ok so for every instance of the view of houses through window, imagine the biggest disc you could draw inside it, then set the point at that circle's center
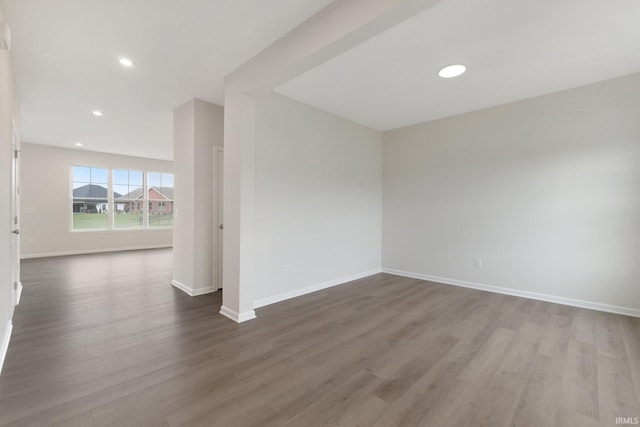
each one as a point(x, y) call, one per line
point(113, 199)
point(160, 199)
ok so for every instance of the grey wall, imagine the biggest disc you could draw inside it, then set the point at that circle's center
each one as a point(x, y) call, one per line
point(318, 199)
point(46, 203)
point(545, 191)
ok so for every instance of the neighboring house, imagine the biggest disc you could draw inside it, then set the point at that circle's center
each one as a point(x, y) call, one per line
point(91, 199)
point(160, 201)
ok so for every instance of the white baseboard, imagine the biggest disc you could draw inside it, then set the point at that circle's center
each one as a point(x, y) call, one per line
point(193, 292)
point(93, 251)
point(204, 291)
point(18, 294)
point(237, 317)
point(184, 288)
point(5, 344)
point(627, 311)
point(303, 291)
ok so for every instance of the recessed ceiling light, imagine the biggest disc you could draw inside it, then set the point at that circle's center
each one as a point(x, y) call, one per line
point(78, 144)
point(126, 62)
point(98, 113)
point(451, 71)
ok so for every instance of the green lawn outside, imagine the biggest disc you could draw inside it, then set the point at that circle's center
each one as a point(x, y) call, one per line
point(88, 221)
point(133, 220)
point(161, 220)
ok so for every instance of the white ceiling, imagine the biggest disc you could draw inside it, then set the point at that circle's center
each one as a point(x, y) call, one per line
point(65, 58)
point(513, 49)
point(66, 63)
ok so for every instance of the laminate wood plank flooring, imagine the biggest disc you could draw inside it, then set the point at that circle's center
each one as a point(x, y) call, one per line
point(104, 339)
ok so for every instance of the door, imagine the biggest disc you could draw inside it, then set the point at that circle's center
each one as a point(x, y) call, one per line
point(15, 216)
point(217, 213)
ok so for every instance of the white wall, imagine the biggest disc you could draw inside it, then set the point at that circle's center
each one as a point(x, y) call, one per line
point(183, 137)
point(198, 128)
point(239, 205)
point(336, 29)
point(545, 191)
point(209, 133)
point(46, 203)
point(318, 199)
point(7, 110)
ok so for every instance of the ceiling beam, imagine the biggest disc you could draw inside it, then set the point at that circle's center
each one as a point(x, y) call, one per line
point(337, 28)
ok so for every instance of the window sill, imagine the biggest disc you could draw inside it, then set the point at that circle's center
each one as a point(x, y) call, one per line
point(118, 230)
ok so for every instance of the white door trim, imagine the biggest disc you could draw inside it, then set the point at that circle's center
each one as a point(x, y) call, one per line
point(218, 174)
point(16, 284)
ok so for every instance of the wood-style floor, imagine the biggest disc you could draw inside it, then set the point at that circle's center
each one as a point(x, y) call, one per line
point(105, 340)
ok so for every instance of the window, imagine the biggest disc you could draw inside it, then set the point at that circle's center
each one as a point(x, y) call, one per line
point(114, 199)
point(90, 198)
point(128, 189)
point(160, 199)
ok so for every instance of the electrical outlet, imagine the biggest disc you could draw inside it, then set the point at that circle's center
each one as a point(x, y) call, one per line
point(286, 269)
point(478, 263)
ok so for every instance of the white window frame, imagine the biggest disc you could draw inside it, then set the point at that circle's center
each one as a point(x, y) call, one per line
point(148, 201)
point(109, 197)
point(145, 220)
point(112, 204)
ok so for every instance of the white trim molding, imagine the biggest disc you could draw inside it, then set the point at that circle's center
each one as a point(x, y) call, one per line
point(237, 317)
point(627, 311)
point(204, 291)
point(5, 344)
point(193, 292)
point(314, 288)
point(93, 251)
point(17, 294)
